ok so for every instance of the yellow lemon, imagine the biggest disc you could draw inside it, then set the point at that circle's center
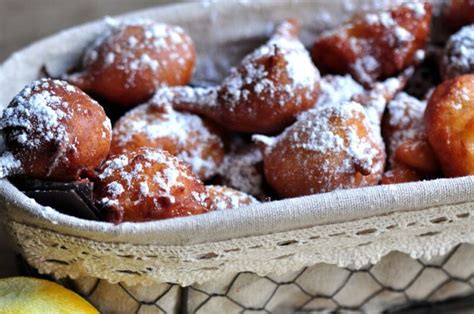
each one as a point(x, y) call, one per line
point(20, 295)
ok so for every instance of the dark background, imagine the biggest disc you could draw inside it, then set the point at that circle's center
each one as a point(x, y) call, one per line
point(24, 21)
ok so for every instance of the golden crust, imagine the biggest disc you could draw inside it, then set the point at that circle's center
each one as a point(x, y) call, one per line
point(418, 155)
point(148, 184)
point(400, 174)
point(405, 134)
point(126, 65)
point(328, 148)
point(183, 135)
point(449, 120)
point(265, 92)
point(56, 131)
point(375, 45)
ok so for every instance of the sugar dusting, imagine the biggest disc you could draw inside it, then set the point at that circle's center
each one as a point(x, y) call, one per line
point(158, 122)
point(137, 54)
point(405, 119)
point(9, 165)
point(316, 132)
point(458, 57)
point(252, 73)
point(322, 137)
point(337, 89)
point(375, 100)
point(134, 175)
point(223, 198)
point(369, 60)
point(183, 95)
point(37, 113)
point(36, 117)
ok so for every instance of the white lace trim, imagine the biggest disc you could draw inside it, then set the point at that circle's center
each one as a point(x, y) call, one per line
point(421, 234)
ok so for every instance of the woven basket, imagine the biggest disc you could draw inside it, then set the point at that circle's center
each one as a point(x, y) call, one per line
point(365, 249)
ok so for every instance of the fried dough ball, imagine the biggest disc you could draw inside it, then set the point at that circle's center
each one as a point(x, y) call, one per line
point(410, 157)
point(184, 135)
point(375, 45)
point(401, 174)
point(54, 131)
point(458, 55)
point(336, 89)
point(459, 13)
point(417, 154)
point(133, 58)
point(267, 89)
point(223, 197)
point(328, 148)
point(405, 133)
point(449, 121)
point(148, 184)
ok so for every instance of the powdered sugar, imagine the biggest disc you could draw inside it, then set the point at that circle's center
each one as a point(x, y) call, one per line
point(369, 52)
point(167, 180)
point(226, 198)
point(36, 114)
point(416, 6)
point(385, 19)
point(146, 60)
point(317, 132)
point(9, 165)
point(298, 67)
point(181, 96)
point(317, 129)
point(365, 66)
point(130, 54)
point(34, 118)
point(327, 148)
point(132, 41)
point(201, 197)
point(115, 188)
point(126, 174)
point(163, 127)
point(109, 58)
point(336, 89)
point(402, 35)
point(404, 110)
point(144, 189)
point(405, 120)
point(375, 100)
point(38, 125)
point(112, 165)
point(458, 55)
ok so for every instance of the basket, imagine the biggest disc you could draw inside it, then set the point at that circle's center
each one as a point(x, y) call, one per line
point(366, 249)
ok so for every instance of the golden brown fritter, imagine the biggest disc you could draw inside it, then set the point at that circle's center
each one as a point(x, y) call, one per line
point(53, 131)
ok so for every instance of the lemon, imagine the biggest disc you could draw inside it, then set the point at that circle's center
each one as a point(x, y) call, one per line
point(20, 295)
